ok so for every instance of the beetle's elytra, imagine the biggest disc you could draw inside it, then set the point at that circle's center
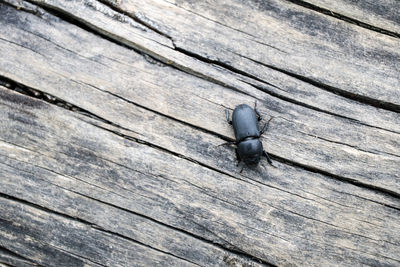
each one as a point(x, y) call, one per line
point(247, 134)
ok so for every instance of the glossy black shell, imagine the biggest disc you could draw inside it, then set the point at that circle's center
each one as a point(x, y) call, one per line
point(245, 122)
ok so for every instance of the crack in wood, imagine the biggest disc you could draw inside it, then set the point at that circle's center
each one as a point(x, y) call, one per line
point(23, 46)
point(3, 264)
point(55, 101)
point(231, 248)
point(90, 224)
point(24, 6)
point(204, 130)
point(368, 199)
point(290, 100)
point(353, 96)
point(50, 99)
point(227, 26)
point(70, 18)
point(135, 17)
point(6, 251)
point(237, 251)
point(338, 177)
point(171, 152)
point(37, 94)
point(228, 202)
point(339, 16)
point(220, 64)
point(344, 144)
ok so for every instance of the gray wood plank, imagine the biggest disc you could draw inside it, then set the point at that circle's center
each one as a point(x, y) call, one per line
point(97, 198)
point(61, 154)
point(115, 143)
point(379, 16)
point(51, 240)
point(9, 258)
point(102, 20)
point(314, 140)
point(335, 55)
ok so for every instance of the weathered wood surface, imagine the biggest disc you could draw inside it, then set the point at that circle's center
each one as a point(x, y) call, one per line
point(113, 112)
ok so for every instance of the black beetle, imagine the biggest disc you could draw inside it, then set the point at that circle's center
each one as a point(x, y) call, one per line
point(247, 133)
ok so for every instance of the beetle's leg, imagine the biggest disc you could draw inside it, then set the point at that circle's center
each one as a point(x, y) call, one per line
point(227, 116)
point(259, 117)
point(242, 169)
point(265, 154)
point(265, 128)
point(237, 157)
point(240, 163)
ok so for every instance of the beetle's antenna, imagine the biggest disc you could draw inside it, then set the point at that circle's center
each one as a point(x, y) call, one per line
point(259, 116)
point(265, 128)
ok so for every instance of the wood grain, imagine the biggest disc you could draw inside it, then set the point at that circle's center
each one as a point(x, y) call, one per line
point(372, 15)
point(357, 148)
point(346, 59)
point(112, 119)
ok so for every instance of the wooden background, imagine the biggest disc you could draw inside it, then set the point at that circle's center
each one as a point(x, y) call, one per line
point(112, 112)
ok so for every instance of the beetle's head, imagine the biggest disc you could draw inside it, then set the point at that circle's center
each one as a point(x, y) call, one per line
point(250, 151)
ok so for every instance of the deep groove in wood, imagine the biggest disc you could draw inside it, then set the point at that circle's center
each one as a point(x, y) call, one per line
point(169, 151)
point(220, 64)
point(355, 97)
point(75, 21)
point(3, 264)
point(5, 250)
point(282, 218)
point(344, 18)
point(287, 99)
point(70, 18)
point(264, 89)
point(34, 93)
point(95, 226)
point(340, 178)
point(31, 92)
point(27, 91)
point(221, 246)
point(134, 17)
point(204, 130)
